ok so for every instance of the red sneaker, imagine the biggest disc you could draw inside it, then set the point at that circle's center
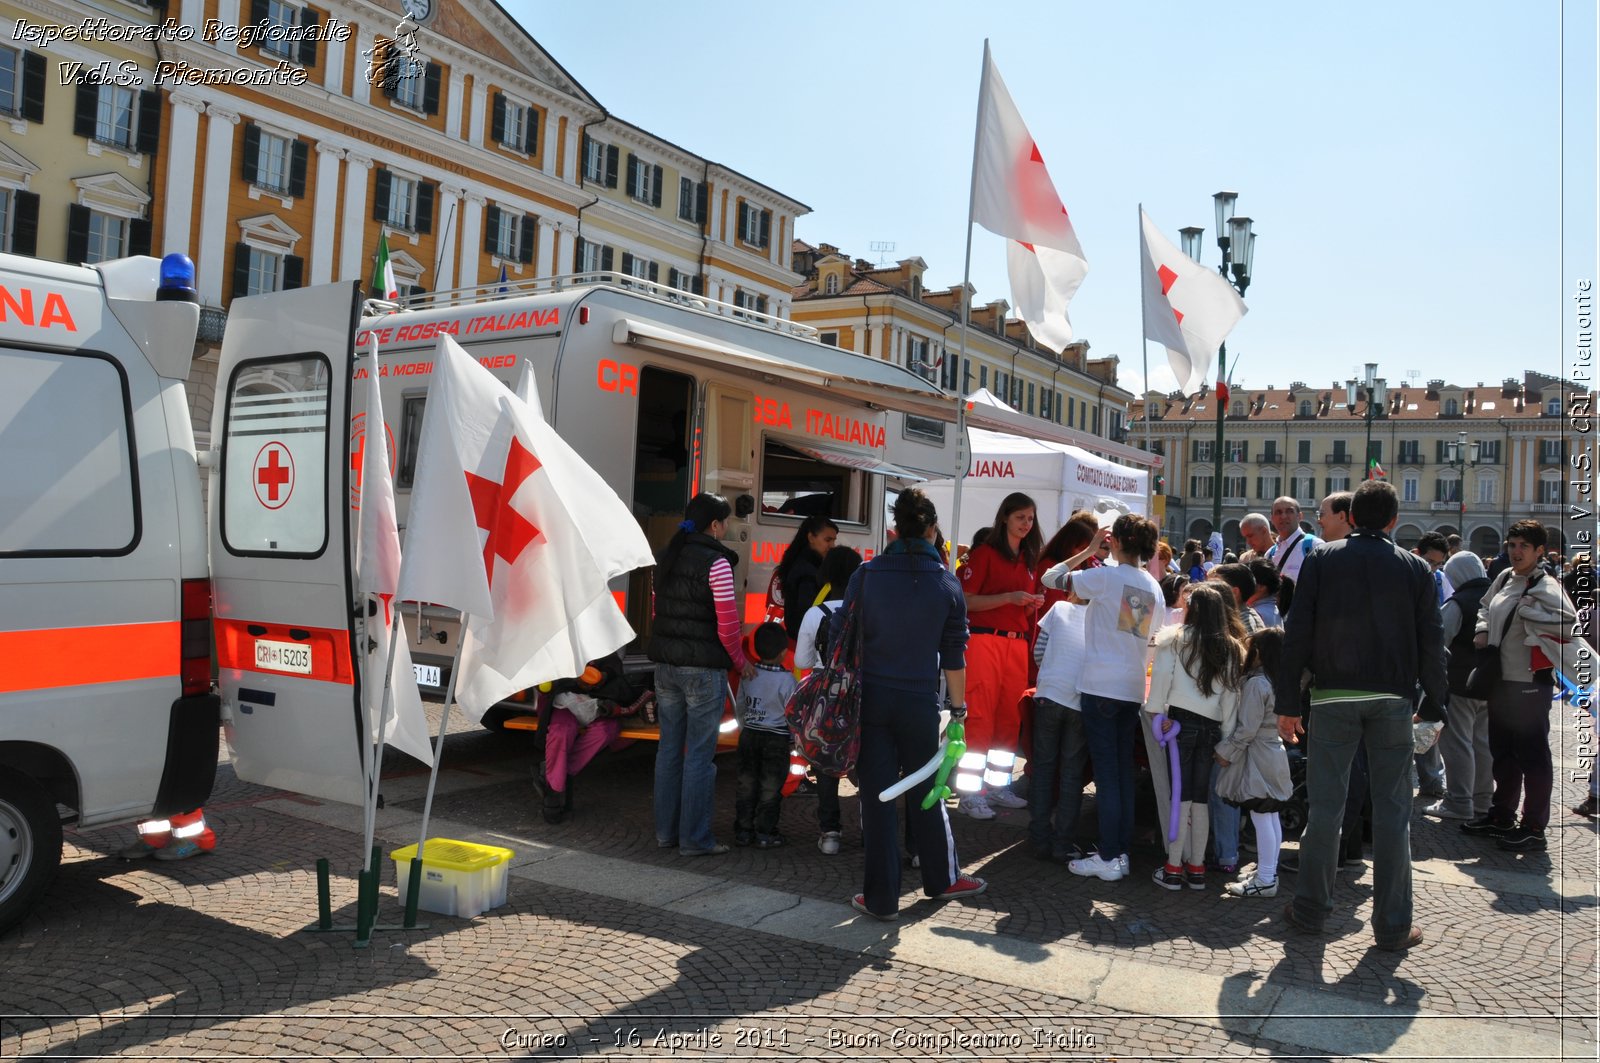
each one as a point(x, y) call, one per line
point(965, 886)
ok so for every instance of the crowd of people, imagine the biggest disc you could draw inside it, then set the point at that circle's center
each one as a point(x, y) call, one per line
point(1066, 654)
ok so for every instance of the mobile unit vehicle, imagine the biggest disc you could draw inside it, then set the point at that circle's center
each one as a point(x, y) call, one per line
point(106, 700)
point(667, 394)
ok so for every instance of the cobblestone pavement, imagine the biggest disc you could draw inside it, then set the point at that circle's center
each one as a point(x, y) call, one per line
point(610, 946)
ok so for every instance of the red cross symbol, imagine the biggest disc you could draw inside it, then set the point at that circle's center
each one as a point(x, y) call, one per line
point(1168, 279)
point(509, 531)
point(274, 469)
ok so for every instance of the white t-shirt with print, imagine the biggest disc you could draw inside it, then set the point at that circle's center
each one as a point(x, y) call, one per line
point(1125, 608)
point(1063, 629)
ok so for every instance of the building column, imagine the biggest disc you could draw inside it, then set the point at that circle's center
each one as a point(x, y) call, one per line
point(184, 138)
point(354, 209)
point(228, 15)
point(544, 252)
point(325, 212)
point(218, 178)
point(452, 110)
point(449, 204)
point(471, 237)
point(480, 108)
point(365, 44)
point(190, 14)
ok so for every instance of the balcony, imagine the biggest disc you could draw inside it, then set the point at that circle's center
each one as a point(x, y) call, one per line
point(1547, 457)
point(1269, 457)
point(1545, 507)
point(1408, 457)
point(1229, 502)
point(1445, 507)
point(1339, 457)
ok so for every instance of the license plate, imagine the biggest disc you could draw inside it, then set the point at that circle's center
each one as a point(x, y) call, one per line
point(283, 657)
point(427, 674)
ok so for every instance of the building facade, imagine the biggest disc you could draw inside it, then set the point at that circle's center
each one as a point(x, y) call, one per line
point(1307, 442)
point(886, 312)
point(276, 141)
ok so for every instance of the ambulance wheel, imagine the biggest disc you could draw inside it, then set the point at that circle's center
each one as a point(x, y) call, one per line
point(30, 846)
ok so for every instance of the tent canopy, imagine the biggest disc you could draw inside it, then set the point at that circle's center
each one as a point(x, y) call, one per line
point(1060, 478)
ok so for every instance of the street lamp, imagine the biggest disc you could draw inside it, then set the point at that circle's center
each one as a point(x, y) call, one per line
point(1238, 246)
point(1375, 391)
point(1461, 454)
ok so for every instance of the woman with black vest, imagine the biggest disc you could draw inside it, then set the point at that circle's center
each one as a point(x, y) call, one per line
point(694, 641)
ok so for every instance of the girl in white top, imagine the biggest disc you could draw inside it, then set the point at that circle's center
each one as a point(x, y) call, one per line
point(1194, 683)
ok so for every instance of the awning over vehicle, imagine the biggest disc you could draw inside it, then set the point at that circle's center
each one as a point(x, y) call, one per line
point(849, 459)
point(830, 369)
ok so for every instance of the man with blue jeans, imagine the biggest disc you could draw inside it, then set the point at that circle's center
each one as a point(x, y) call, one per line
point(1365, 623)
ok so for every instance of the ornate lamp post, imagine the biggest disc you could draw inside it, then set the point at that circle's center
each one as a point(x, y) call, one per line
point(1461, 454)
point(1375, 391)
point(1238, 245)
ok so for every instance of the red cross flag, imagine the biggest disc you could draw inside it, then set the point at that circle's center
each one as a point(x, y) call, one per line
point(378, 575)
point(509, 525)
point(1013, 196)
point(1188, 309)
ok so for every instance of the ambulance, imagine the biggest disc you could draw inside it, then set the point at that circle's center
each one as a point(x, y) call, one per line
point(666, 395)
point(120, 595)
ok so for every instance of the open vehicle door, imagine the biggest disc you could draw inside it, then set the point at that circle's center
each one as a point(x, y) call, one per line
point(281, 557)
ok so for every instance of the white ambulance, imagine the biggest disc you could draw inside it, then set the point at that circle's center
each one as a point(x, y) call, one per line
point(107, 712)
point(668, 394)
point(116, 592)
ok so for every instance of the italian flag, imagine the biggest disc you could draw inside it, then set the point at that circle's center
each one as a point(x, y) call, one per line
point(383, 286)
point(1374, 470)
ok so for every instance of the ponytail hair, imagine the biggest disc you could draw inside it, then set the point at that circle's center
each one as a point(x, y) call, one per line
point(702, 511)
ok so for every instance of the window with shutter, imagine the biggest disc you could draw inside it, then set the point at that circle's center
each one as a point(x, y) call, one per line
point(525, 245)
point(22, 223)
point(10, 81)
point(612, 153)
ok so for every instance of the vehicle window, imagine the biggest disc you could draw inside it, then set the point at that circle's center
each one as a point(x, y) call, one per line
point(796, 484)
point(70, 484)
point(275, 457)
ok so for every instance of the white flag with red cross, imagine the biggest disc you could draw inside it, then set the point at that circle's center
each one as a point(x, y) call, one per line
point(377, 576)
point(1013, 196)
point(1188, 309)
point(509, 525)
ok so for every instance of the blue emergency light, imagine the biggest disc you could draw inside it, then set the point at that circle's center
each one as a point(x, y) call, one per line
point(177, 280)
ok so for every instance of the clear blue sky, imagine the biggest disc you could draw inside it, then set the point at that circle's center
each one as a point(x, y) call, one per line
point(1403, 161)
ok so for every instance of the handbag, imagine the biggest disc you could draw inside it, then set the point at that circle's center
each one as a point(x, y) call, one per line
point(824, 711)
point(1486, 660)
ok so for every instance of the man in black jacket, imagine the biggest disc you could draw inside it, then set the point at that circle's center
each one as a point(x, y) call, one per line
point(1365, 623)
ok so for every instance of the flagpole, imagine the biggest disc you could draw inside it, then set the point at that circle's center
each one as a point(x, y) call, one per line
point(966, 299)
point(1144, 356)
point(376, 769)
point(438, 748)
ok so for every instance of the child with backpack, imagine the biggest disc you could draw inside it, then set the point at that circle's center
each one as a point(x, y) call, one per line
point(1255, 767)
point(811, 652)
point(764, 742)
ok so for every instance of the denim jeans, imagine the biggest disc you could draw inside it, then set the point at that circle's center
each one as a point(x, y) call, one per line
point(1110, 727)
point(1337, 727)
point(1225, 820)
point(763, 767)
point(1060, 750)
point(689, 703)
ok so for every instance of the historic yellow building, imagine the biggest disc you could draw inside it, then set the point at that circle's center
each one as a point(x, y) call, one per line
point(1305, 441)
point(274, 141)
point(886, 312)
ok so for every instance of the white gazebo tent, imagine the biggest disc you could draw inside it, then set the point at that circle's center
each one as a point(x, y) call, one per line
point(1060, 478)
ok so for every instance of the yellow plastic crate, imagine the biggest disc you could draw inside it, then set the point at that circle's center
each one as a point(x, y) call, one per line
point(458, 878)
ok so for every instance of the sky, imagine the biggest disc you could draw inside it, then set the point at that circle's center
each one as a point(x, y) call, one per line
point(1421, 174)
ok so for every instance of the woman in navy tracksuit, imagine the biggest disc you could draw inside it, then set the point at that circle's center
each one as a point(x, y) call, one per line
point(913, 622)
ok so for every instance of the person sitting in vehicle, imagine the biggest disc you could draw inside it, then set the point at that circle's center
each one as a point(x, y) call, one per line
point(584, 718)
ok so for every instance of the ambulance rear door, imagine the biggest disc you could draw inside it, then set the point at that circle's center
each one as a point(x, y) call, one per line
point(280, 542)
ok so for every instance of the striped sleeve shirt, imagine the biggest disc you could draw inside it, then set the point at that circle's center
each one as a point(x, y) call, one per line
point(728, 626)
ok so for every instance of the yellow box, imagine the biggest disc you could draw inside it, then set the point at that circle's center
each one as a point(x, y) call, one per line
point(458, 878)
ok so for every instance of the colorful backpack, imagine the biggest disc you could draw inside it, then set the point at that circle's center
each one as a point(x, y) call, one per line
point(824, 712)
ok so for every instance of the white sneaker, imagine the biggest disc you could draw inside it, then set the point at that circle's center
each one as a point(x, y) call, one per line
point(975, 806)
point(1003, 798)
point(1439, 809)
point(1252, 887)
point(1122, 862)
point(829, 843)
point(1099, 867)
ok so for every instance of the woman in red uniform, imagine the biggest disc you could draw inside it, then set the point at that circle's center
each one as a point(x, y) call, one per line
point(999, 583)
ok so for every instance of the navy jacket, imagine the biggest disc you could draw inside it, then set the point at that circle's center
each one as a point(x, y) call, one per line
point(1365, 617)
point(914, 617)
